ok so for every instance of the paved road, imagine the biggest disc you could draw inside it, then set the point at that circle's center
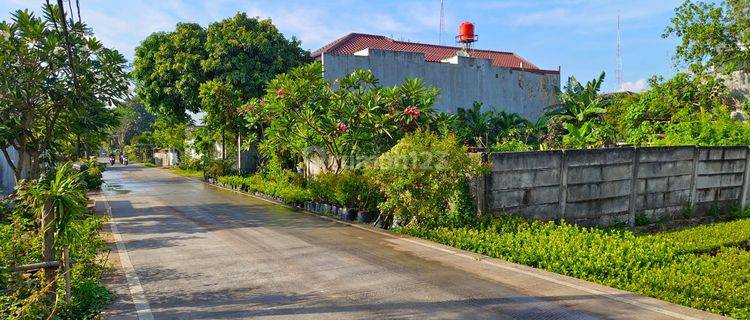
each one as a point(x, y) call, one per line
point(200, 252)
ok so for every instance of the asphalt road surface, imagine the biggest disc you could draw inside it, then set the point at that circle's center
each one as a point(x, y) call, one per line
point(194, 251)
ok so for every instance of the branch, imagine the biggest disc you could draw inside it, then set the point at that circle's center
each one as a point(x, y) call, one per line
point(52, 15)
point(69, 51)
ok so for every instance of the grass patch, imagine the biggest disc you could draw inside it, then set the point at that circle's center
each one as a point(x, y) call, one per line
point(187, 172)
point(663, 265)
point(149, 165)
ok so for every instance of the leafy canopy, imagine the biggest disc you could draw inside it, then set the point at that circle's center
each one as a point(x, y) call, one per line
point(302, 112)
point(712, 34)
point(53, 103)
point(168, 72)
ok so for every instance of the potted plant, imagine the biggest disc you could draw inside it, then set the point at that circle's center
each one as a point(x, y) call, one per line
point(366, 216)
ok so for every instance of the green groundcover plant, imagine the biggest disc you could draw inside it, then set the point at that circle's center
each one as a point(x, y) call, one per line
point(704, 267)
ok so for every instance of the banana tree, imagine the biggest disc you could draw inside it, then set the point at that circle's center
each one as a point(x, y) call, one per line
point(579, 103)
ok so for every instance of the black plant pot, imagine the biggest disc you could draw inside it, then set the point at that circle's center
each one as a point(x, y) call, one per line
point(347, 214)
point(366, 217)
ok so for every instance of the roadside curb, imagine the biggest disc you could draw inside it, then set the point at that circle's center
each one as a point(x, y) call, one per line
point(137, 294)
point(647, 303)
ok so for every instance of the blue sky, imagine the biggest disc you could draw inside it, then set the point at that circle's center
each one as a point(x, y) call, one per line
point(578, 35)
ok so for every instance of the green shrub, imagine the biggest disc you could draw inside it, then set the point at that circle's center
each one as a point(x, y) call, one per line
point(510, 145)
point(90, 299)
point(704, 238)
point(91, 178)
point(422, 174)
point(283, 188)
point(348, 189)
point(325, 187)
point(190, 164)
point(218, 168)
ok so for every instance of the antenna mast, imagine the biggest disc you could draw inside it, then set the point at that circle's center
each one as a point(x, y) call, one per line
point(618, 72)
point(442, 23)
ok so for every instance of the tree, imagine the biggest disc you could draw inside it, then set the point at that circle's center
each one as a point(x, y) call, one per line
point(246, 53)
point(473, 125)
point(168, 71)
point(579, 103)
point(169, 135)
point(303, 112)
point(55, 76)
point(643, 119)
point(577, 120)
point(242, 55)
point(220, 105)
point(712, 35)
point(133, 119)
point(482, 129)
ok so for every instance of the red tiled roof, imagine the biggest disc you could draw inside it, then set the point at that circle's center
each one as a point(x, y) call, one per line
point(354, 42)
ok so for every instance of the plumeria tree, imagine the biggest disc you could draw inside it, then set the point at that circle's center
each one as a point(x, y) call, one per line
point(56, 81)
point(303, 113)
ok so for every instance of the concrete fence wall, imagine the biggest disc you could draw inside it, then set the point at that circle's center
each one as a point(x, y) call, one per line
point(604, 187)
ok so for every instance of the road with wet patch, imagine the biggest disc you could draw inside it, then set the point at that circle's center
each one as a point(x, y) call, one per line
point(194, 251)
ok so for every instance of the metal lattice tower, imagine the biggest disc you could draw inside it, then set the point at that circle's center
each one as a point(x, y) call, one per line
point(618, 71)
point(442, 23)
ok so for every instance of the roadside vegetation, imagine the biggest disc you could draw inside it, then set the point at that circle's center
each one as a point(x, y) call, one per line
point(59, 200)
point(385, 150)
point(58, 81)
point(703, 267)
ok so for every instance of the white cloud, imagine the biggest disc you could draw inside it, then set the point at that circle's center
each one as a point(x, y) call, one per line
point(639, 85)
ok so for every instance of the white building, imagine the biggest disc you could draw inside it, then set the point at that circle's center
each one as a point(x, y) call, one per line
point(500, 80)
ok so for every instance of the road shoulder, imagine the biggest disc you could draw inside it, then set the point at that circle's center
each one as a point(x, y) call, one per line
point(122, 306)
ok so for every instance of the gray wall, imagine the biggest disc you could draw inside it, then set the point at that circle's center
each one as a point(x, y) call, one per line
point(7, 178)
point(595, 187)
point(461, 80)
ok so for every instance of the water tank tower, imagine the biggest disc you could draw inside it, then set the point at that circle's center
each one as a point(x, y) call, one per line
point(466, 35)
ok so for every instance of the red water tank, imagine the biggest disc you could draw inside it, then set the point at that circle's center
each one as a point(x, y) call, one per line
point(466, 32)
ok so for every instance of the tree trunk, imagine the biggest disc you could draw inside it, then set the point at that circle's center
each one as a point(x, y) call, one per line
point(239, 152)
point(223, 145)
point(66, 272)
point(48, 242)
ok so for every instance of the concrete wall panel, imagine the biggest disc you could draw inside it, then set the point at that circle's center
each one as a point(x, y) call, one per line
point(593, 187)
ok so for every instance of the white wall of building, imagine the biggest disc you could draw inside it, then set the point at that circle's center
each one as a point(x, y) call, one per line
point(739, 84)
point(461, 80)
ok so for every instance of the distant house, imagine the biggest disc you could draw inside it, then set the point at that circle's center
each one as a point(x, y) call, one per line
point(248, 159)
point(501, 80)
